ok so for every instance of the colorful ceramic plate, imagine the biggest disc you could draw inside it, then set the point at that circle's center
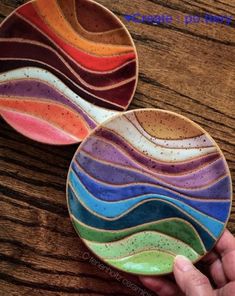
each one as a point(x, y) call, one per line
point(65, 66)
point(148, 185)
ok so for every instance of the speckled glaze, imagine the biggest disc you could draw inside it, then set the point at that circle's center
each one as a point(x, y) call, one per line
point(148, 185)
point(65, 67)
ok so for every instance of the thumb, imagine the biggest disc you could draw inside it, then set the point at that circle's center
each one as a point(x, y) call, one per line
point(191, 281)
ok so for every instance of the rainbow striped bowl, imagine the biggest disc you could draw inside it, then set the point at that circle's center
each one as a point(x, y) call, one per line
point(65, 67)
point(146, 186)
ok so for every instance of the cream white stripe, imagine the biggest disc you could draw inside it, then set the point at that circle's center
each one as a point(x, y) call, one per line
point(123, 127)
point(99, 114)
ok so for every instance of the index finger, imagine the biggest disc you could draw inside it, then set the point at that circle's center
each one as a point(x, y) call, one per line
point(225, 244)
point(226, 249)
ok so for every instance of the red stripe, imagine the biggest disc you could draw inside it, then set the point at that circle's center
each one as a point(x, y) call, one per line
point(86, 60)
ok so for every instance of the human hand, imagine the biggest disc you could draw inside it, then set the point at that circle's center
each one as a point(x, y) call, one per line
point(189, 281)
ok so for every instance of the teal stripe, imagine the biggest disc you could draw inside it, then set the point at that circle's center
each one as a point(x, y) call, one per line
point(113, 209)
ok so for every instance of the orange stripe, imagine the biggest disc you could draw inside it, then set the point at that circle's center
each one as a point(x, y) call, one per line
point(85, 59)
point(50, 13)
point(60, 116)
point(37, 129)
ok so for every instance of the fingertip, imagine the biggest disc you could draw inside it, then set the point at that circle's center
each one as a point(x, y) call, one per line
point(161, 285)
point(145, 279)
point(190, 280)
point(151, 283)
point(182, 263)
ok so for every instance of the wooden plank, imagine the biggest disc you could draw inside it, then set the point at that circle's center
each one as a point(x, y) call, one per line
point(189, 69)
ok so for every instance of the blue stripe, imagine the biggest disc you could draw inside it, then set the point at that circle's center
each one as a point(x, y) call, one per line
point(157, 210)
point(114, 209)
point(106, 192)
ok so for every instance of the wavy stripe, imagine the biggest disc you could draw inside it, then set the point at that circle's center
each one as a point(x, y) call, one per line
point(95, 82)
point(142, 241)
point(96, 113)
point(115, 36)
point(169, 125)
point(56, 24)
point(102, 20)
point(111, 208)
point(124, 72)
point(112, 174)
point(34, 19)
point(30, 127)
point(156, 210)
point(196, 142)
point(145, 263)
point(56, 114)
point(215, 190)
point(130, 155)
point(74, 88)
point(174, 227)
point(113, 192)
point(106, 152)
point(113, 211)
point(88, 62)
point(37, 90)
point(114, 97)
point(13, 64)
point(123, 127)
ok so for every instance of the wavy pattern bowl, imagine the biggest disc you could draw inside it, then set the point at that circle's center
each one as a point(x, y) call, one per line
point(65, 67)
point(148, 185)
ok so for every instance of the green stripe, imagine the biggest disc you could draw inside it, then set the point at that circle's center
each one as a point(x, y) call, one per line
point(145, 263)
point(175, 228)
point(140, 242)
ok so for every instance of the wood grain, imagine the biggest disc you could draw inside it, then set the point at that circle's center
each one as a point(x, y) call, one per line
point(187, 69)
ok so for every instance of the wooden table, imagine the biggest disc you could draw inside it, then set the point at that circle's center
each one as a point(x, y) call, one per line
point(189, 69)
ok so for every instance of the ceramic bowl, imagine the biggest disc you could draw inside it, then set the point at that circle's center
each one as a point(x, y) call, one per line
point(65, 67)
point(146, 186)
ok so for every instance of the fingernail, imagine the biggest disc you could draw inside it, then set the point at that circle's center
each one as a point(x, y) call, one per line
point(183, 263)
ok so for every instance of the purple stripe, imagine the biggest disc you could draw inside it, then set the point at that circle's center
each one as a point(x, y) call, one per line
point(118, 94)
point(15, 27)
point(104, 151)
point(155, 166)
point(34, 89)
point(8, 65)
point(107, 152)
point(121, 176)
